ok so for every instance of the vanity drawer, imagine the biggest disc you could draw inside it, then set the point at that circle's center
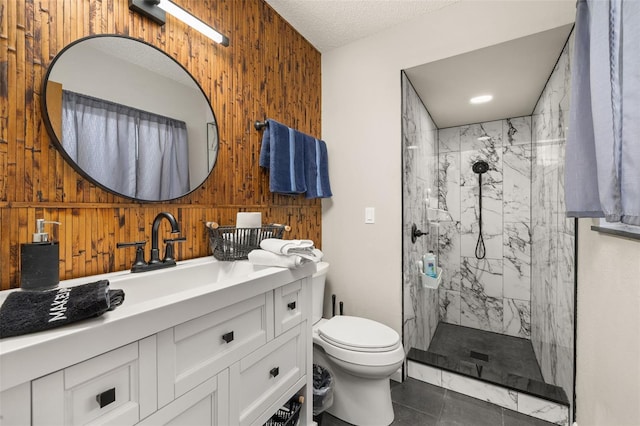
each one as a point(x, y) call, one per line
point(197, 350)
point(113, 388)
point(288, 306)
point(206, 404)
point(259, 379)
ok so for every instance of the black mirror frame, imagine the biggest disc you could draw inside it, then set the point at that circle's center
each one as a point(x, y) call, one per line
point(58, 144)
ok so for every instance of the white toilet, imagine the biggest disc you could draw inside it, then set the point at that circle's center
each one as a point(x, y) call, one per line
point(361, 355)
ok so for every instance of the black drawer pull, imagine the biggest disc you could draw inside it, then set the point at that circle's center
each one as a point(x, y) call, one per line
point(106, 397)
point(274, 371)
point(228, 337)
point(291, 305)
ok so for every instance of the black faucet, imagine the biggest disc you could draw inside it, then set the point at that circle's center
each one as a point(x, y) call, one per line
point(175, 229)
point(155, 263)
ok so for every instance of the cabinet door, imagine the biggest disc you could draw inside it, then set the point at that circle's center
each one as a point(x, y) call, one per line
point(15, 405)
point(194, 351)
point(261, 378)
point(205, 405)
point(117, 388)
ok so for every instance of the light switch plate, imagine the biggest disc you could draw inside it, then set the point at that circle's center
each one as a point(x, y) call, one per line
point(369, 215)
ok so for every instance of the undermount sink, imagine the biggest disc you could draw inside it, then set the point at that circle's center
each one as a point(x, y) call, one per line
point(202, 273)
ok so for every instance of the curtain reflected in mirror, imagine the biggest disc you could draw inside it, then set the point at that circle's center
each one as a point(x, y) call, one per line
point(130, 118)
point(150, 150)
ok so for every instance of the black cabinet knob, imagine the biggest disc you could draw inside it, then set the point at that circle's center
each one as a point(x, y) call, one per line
point(228, 337)
point(291, 305)
point(106, 397)
point(274, 371)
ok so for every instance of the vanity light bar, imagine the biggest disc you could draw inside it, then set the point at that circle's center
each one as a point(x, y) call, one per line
point(155, 10)
point(195, 23)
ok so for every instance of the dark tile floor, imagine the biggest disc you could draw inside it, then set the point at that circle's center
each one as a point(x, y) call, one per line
point(417, 403)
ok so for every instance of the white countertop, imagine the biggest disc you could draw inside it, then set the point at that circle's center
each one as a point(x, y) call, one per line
point(154, 301)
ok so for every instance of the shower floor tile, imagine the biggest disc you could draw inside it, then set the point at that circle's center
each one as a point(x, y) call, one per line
point(509, 354)
point(494, 358)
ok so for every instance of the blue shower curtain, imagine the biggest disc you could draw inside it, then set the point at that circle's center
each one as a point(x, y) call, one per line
point(602, 173)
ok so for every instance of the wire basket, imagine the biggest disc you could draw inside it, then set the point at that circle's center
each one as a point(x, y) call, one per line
point(231, 243)
point(286, 416)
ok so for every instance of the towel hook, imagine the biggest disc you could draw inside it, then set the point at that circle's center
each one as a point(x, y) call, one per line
point(259, 125)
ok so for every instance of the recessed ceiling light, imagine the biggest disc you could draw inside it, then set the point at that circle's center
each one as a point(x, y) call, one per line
point(481, 99)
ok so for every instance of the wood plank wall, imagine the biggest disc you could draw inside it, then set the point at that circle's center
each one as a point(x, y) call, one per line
point(268, 70)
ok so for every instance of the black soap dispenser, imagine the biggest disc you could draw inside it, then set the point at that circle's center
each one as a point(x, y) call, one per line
point(39, 260)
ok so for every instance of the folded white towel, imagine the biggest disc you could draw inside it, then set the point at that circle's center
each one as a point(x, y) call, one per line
point(314, 255)
point(278, 246)
point(267, 258)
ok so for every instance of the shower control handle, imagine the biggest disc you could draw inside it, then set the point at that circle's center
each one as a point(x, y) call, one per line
point(415, 233)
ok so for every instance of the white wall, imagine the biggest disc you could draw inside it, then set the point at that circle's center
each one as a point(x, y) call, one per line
point(608, 379)
point(361, 122)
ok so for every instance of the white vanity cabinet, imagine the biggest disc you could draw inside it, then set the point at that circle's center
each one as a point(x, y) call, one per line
point(235, 363)
point(240, 341)
point(117, 388)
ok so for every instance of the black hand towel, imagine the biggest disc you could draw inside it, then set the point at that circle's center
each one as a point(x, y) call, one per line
point(28, 311)
point(116, 297)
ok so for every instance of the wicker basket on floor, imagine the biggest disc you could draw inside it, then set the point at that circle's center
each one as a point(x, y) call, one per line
point(231, 243)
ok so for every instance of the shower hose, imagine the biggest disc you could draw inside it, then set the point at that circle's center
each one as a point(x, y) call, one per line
point(480, 248)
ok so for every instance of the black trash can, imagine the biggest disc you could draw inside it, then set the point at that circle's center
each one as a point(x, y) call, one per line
point(322, 392)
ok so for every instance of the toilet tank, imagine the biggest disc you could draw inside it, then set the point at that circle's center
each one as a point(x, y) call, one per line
point(317, 290)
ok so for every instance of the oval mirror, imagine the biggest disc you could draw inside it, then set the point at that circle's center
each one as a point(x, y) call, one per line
point(129, 118)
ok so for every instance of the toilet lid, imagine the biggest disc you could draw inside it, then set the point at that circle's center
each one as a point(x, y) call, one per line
point(358, 334)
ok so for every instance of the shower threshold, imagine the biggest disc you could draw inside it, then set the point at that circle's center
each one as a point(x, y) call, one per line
point(489, 366)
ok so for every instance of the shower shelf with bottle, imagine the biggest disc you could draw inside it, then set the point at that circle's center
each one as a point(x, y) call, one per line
point(430, 277)
point(431, 282)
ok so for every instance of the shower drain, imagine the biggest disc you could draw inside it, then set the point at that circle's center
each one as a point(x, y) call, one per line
point(479, 356)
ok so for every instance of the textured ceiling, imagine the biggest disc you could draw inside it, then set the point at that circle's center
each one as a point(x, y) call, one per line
point(328, 24)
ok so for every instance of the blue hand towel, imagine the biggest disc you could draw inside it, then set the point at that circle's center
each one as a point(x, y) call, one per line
point(282, 152)
point(316, 168)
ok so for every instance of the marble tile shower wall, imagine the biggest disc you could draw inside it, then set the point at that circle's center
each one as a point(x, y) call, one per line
point(419, 156)
point(525, 285)
point(553, 260)
point(493, 293)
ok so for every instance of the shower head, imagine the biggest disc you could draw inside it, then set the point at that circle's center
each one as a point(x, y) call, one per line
point(480, 167)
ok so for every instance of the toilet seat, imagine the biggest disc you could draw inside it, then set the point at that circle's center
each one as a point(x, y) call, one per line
point(364, 350)
point(359, 334)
